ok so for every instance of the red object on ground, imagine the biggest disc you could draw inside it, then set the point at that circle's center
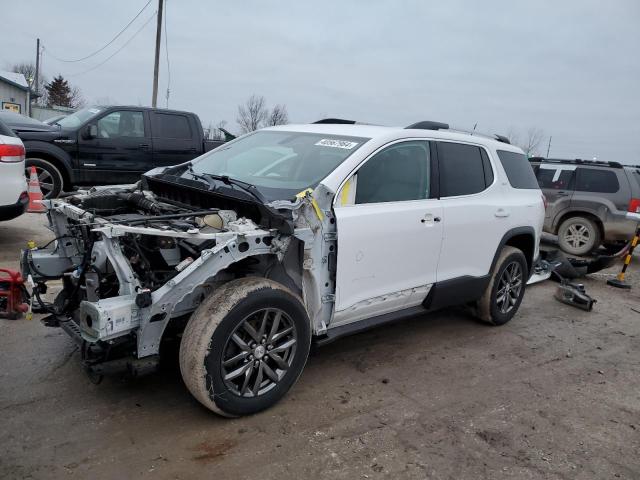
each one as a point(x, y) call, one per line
point(35, 194)
point(12, 294)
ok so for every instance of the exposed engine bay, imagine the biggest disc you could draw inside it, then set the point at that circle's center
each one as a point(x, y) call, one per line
point(132, 262)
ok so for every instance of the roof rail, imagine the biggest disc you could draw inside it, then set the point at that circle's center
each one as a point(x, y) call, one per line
point(429, 125)
point(577, 161)
point(335, 121)
point(501, 138)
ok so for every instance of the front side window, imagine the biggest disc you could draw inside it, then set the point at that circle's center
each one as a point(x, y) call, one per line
point(397, 173)
point(463, 170)
point(598, 181)
point(555, 178)
point(121, 124)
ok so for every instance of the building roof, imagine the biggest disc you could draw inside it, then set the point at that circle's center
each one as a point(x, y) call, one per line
point(15, 79)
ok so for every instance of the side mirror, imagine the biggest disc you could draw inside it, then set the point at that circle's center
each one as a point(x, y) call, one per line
point(90, 131)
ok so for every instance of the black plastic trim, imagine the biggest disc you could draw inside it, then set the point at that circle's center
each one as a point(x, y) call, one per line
point(456, 291)
point(509, 235)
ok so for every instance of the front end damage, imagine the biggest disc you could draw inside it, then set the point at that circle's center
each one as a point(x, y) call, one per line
point(133, 265)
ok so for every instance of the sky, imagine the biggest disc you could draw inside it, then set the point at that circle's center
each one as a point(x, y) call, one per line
point(569, 68)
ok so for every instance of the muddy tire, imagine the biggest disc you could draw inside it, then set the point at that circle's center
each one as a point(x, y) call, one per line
point(245, 346)
point(51, 181)
point(503, 295)
point(578, 236)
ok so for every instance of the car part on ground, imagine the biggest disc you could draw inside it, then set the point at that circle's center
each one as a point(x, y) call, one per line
point(574, 294)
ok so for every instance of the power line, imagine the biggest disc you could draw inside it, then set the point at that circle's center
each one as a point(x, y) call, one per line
point(105, 46)
point(166, 49)
point(117, 51)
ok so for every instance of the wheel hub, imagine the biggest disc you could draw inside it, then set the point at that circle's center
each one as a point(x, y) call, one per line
point(259, 352)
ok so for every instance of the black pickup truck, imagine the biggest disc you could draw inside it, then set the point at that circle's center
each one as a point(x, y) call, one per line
point(110, 145)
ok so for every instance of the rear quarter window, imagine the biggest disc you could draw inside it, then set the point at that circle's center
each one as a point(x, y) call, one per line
point(518, 170)
point(597, 181)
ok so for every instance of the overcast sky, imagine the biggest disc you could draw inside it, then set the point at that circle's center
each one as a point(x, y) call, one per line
point(570, 68)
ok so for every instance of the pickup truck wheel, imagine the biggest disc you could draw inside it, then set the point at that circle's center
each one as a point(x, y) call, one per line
point(245, 346)
point(50, 178)
point(504, 293)
point(578, 236)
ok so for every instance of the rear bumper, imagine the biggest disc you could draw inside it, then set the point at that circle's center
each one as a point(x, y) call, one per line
point(8, 212)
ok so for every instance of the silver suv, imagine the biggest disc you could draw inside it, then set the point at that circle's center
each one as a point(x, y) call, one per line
point(589, 203)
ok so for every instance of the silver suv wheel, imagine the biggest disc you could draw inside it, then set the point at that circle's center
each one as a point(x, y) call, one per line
point(578, 236)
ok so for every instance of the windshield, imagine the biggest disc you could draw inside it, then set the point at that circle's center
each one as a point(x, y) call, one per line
point(279, 163)
point(78, 118)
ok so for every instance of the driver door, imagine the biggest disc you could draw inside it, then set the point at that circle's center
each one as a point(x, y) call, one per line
point(389, 225)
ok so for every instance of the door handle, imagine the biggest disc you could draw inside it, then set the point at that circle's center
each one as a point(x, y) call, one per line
point(501, 213)
point(429, 218)
point(193, 150)
point(562, 194)
point(144, 146)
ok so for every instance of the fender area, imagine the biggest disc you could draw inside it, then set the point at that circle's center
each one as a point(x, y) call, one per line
point(54, 154)
point(522, 238)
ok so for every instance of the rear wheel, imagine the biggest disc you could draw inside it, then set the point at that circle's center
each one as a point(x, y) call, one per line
point(503, 295)
point(578, 236)
point(50, 178)
point(245, 346)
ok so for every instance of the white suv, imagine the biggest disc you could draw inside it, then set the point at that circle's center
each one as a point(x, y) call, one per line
point(13, 191)
point(288, 236)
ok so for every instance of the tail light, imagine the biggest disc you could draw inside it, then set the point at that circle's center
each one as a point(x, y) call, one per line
point(544, 201)
point(634, 205)
point(11, 153)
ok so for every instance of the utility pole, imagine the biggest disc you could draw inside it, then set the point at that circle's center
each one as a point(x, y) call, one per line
point(156, 67)
point(549, 146)
point(37, 63)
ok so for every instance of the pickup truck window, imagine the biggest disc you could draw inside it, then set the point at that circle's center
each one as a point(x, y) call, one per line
point(78, 118)
point(169, 125)
point(121, 124)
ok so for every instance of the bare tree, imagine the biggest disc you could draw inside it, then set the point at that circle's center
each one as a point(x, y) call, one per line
point(77, 99)
point(529, 143)
point(278, 116)
point(215, 133)
point(532, 141)
point(252, 114)
point(29, 72)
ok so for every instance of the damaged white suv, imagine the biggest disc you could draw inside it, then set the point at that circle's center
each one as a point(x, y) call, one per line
point(284, 237)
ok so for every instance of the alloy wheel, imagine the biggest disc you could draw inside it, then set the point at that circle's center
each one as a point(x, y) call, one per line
point(577, 235)
point(259, 352)
point(509, 287)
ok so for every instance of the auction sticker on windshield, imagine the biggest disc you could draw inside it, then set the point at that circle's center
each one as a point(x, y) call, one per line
point(327, 142)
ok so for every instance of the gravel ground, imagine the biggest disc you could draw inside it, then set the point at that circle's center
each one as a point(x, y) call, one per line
point(554, 394)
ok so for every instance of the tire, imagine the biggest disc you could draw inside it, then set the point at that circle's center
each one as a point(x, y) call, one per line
point(489, 308)
point(51, 180)
point(578, 236)
point(217, 344)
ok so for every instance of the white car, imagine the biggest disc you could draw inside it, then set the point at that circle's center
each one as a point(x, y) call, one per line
point(13, 186)
point(288, 236)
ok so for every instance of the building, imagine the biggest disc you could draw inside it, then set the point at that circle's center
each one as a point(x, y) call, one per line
point(15, 94)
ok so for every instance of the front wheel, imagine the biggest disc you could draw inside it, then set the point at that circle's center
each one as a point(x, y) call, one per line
point(245, 346)
point(503, 295)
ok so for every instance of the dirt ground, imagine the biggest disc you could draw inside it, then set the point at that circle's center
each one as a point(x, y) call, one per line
point(554, 394)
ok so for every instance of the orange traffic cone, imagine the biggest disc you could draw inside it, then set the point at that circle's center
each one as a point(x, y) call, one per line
point(35, 194)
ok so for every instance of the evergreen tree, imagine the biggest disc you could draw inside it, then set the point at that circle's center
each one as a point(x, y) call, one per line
point(59, 92)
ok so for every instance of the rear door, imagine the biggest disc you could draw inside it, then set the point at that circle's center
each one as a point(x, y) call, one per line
point(557, 183)
point(475, 214)
point(175, 139)
point(120, 152)
point(389, 233)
